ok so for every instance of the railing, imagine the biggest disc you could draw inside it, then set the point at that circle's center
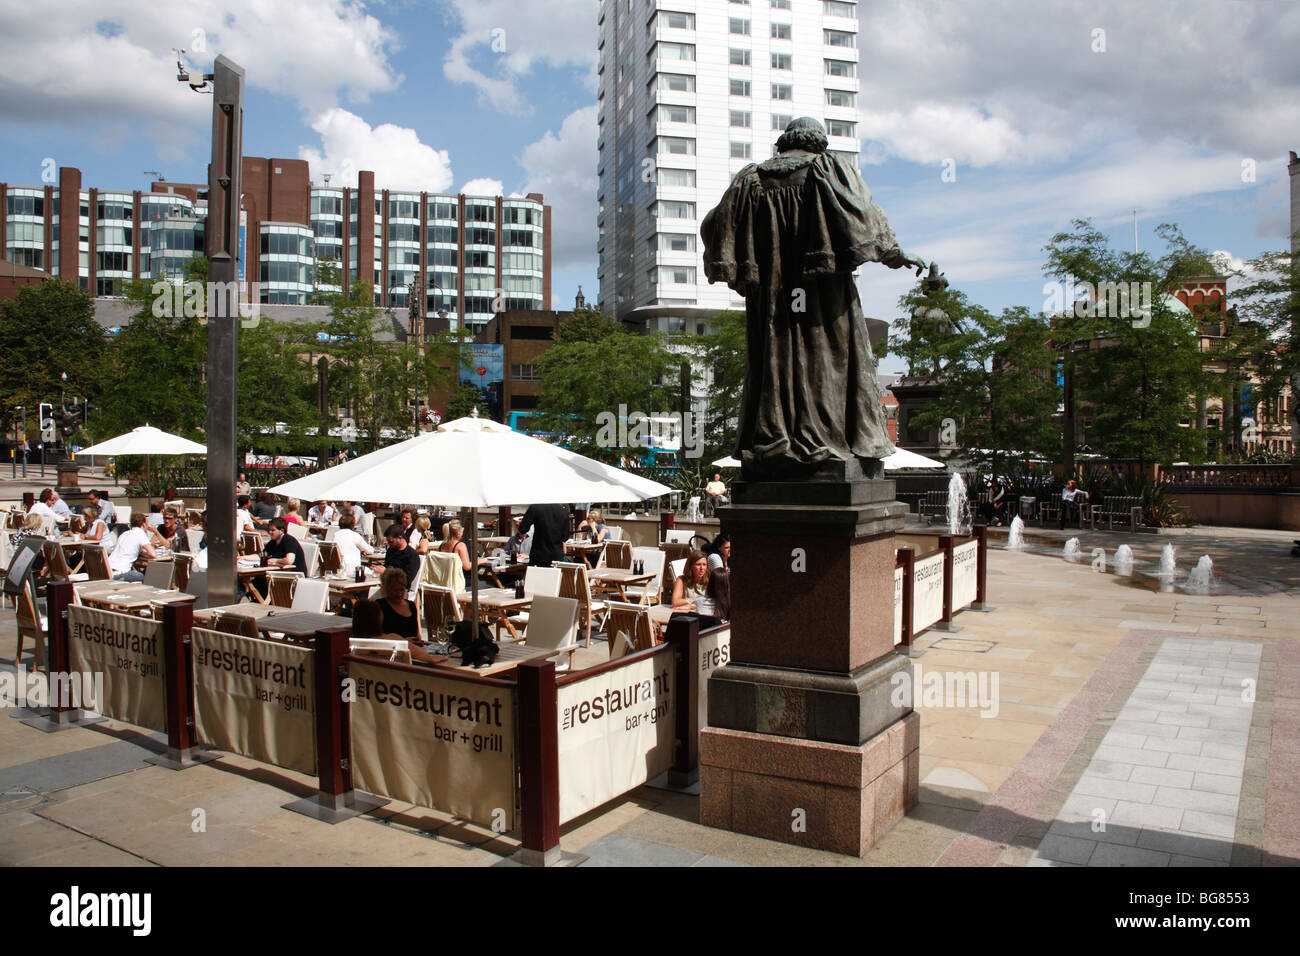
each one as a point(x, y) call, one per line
point(1226, 476)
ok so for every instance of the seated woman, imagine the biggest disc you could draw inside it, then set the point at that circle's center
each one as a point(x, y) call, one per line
point(368, 621)
point(715, 609)
point(291, 511)
point(692, 583)
point(594, 524)
point(453, 533)
point(95, 527)
point(397, 609)
point(419, 539)
point(719, 552)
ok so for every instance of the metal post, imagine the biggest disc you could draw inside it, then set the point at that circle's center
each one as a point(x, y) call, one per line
point(224, 192)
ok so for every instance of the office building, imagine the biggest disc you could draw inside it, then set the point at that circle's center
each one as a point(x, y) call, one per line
point(690, 92)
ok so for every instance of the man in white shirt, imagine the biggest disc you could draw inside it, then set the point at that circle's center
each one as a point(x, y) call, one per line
point(320, 513)
point(352, 547)
point(1071, 495)
point(243, 517)
point(42, 504)
point(130, 546)
point(59, 506)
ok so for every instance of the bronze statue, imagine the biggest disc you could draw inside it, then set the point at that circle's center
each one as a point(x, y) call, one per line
point(787, 235)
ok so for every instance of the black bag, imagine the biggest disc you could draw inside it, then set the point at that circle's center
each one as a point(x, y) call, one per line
point(474, 651)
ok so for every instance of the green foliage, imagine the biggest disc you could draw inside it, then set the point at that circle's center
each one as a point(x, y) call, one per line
point(462, 402)
point(1133, 380)
point(277, 382)
point(720, 352)
point(46, 330)
point(593, 367)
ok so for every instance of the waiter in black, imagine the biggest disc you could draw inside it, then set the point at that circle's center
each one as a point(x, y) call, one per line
point(551, 527)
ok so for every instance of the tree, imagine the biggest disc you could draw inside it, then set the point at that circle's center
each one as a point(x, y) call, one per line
point(1271, 301)
point(45, 331)
point(997, 372)
point(462, 402)
point(276, 379)
point(595, 372)
point(721, 355)
point(155, 365)
point(1134, 358)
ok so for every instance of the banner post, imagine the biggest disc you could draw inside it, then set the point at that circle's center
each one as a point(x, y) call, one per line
point(907, 560)
point(61, 715)
point(336, 800)
point(945, 623)
point(539, 764)
point(981, 569)
point(178, 679)
point(683, 633)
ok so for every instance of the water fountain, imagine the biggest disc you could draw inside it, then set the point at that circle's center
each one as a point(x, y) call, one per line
point(1016, 536)
point(1168, 562)
point(1072, 550)
point(958, 506)
point(1124, 560)
point(1199, 578)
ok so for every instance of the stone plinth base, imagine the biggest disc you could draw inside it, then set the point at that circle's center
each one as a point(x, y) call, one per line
point(849, 796)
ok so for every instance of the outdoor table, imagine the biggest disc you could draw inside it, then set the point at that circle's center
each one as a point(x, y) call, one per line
point(498, 604)
point(86, 590)
point(246, 573)
point(509, 657)
point(208, 616)
point(345, 585)
point(136, 598)
point(618, 579)
point(588, 549)
point(298, 625)
point(510, 569)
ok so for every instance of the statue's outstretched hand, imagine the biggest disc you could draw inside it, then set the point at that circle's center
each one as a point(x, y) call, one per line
point(920, 264)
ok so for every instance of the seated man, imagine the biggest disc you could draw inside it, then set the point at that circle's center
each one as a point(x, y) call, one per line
point(242, 486)
point(716, 490)
point(164, 535)
point(282, 553)
point(352, 547)
point(243, 518)
point(400, 554)
point(42, 504)
point(131, 546)
point(264, 510)
point(321, 513)
point(106, 510)
point(1070, 497)
point(59, 507)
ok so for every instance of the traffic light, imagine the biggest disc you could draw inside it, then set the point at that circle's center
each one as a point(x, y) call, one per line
point(46, 418)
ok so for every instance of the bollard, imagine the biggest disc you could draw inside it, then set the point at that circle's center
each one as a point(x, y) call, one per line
point(981, 567)
point(667, 520)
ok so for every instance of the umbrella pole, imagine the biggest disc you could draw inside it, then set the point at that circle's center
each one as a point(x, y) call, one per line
point(473, 560)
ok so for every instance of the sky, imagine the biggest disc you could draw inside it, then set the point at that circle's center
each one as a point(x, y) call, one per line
point(987, 125)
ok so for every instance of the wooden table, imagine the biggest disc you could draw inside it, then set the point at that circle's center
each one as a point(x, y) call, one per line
point(498, 604)
point(299, 625)
point(509, 657)
point(135, 597)
point(587, 549)
point(248, 573)
point(619, 579)
point(511, 570)
point(347, 586)
point(208, 616)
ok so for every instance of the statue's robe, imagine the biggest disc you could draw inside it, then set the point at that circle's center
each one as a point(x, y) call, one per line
point(787, 235)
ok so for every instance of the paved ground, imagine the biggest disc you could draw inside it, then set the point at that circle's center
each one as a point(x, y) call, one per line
point(1130, 725)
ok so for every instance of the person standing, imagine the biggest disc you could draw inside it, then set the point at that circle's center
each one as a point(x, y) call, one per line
point(242, 486)
point(550, 526)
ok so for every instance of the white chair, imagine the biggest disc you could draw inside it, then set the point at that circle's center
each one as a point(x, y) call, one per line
point(554, 626)
point(444, 568)
point(194, 536)
point(158, 574)
point(311, 554)
point(544, 582)
point(615, 534)
point(367, 527)
point(123, 515)
point(311, 595)
point(299, 531)
point(678, 536)
point(331, 531)
point(654, 564)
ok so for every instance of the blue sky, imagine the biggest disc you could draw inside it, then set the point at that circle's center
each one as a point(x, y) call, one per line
point(1184, 111)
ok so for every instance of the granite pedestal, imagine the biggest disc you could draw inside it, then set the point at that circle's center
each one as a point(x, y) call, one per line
point(808, 741)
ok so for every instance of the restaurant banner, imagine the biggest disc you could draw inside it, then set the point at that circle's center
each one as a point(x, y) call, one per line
point(715, 650)
point(127, 650)
point(965, 574)
point(256, 698)
point(434, 741)
point(898, 605)
point(927, 592)
point(616, 732)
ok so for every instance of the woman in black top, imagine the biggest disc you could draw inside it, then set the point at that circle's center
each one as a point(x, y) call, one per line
point(397, 610)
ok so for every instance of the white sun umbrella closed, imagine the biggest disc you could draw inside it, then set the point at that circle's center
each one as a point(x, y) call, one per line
point(473, 463)
point(145, 440)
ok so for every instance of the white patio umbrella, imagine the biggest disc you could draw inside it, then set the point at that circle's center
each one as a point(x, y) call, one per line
point(145, 440)
point(473, 463)
point(727, 462)
point(902, 460)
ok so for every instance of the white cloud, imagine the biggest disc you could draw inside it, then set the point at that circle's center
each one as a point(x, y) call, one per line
point(395, 153)
point(508, 39)
point(563, 168)
point(483, 187)
point(91, 63)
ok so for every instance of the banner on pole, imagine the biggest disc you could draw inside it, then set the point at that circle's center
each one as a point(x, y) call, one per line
point(127, 650)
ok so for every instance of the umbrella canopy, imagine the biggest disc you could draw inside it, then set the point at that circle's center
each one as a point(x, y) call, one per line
point(727, 462)
point(473, 463)
point(902, 459)
point(145, 440)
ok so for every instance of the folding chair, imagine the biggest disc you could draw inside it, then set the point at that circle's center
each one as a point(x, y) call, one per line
point(250, 542)
point(57, 566)
point(574, 584)
point(330, 561)
point(438, 606)
point(31, 623)
point(554, 626)
point(194, 537)
point(632, 620)
point(240, 624)
point(538, 581)
point(280, 585)
point(311, 595)
point(158, 574)
point(617, 554)
point(311, 554)
point(648, 593)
